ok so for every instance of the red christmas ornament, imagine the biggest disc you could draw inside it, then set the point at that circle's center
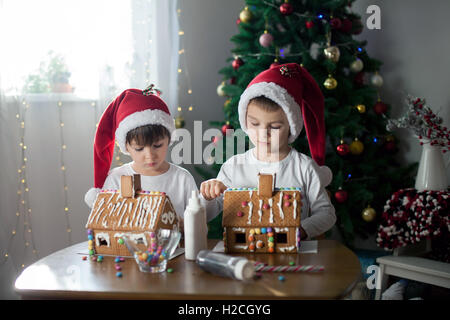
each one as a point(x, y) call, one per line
point(359, 79)
point(226, 127)
point(357, 27)
point(233, 80)
point(346, 26)
point(275, 63)
point(286, 9)
point(309, 24)
point(380, 108)
point(237, 63)
point(343, 149)
point(238, 21)
point(335, 23)
point(215, 139)
point(390, 146)
point(341, 195)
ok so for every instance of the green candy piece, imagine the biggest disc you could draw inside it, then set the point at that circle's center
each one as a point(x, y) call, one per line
point(91, 252)
point(120, 241)
point(271, 239)
point(170, 270)
point(291, 263)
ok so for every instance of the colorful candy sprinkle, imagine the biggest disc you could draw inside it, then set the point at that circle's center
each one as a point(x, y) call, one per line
point(281, 278)
point(99, 258)
point(117, 259)
point(170, 270)
point(118, 267)
point(291, 263)
point(120, 241)
point(84, 258)
point(119, 274)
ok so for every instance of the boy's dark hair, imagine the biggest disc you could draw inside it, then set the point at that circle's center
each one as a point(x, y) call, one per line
point(147, 135)
point(265, 103)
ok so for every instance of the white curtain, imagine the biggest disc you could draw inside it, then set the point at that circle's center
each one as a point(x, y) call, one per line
point(46, 138)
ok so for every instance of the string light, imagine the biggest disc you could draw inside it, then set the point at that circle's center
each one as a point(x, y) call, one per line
point(22, 194)
point(64, 170)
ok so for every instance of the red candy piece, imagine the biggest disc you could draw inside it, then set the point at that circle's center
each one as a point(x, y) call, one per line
point(287, 204)
point(244, 203)
point(286, 197)
point(266, 206)
point(239, 214)
point(84, 258)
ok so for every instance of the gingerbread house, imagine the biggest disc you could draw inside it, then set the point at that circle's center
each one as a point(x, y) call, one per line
point(128, 210)
point(263, 219)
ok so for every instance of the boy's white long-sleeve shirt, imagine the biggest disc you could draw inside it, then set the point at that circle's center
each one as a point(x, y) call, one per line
point(296, 170)
point(177, 183)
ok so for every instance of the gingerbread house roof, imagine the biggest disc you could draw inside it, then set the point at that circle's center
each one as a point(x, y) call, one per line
point(111, 211)
point(246, 207)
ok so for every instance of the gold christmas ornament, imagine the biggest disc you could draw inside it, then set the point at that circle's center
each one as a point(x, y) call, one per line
point(245, 15)
point(220, 91)
point(361, 108)
point(332, 53)
point(179, 122)
point(377, 80)
point(330, 83)
point(368, 214)
point(356, 66)
point(356, 147)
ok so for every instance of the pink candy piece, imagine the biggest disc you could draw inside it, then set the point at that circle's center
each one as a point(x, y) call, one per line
point(266, 206)
point(239, 214)
point(286, 197)
point(118, 267)
point(244, 203)
point(287, 204)
point(122, 259)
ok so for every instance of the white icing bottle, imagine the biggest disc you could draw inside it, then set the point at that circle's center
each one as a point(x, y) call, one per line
point(195, 228)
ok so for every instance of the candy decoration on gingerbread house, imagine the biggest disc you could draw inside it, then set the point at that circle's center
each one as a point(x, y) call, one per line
point(128, 210)
point(263, 219)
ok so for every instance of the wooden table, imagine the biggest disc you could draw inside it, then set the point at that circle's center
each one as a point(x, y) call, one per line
point(64, 275)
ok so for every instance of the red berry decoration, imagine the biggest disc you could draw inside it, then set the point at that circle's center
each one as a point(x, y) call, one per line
point(226, 127)
point(346, 26)
point(238, 21)
point(309, 24)
point(343, 149)
point(335, 23)
point(233, 80)
point(380, 108)
point(286, 9)
point(341, 195)
point(237, 63)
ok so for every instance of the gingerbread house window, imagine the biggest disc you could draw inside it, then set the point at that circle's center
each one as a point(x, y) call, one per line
point(139, 240)
point(102, 241)
point(281, 237)
point(239, 237)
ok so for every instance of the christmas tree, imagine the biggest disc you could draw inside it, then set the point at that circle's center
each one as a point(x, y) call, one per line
point(319, 35)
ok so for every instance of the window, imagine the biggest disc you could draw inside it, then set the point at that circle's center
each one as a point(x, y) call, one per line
point(86, 44)
point(281, 237)
point(239, 237)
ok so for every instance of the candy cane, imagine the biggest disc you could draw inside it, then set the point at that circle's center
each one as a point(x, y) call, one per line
point(262, 267)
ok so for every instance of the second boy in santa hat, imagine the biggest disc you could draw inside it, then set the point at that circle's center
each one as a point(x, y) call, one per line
point(272, 111)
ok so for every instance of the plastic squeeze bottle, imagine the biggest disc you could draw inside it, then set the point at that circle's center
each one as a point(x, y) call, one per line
point(195, 228)
point(226, 266)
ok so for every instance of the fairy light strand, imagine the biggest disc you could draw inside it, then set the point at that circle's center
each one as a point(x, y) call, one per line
point(63, 169)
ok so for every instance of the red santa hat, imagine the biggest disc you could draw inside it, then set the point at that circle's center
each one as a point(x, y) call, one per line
point(297, 93)
point(133, 108)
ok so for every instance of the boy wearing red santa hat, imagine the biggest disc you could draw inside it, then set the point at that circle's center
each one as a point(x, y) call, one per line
point(272, 111)
point(141, 124)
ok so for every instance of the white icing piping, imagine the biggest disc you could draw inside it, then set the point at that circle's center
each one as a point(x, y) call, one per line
point(295, 209)
point(280, 206)
point(104, 235)
point(260, 210)
point(271, 211)
point(281, 229)
point(237, 246)
point(284, 249)
point(238, 229)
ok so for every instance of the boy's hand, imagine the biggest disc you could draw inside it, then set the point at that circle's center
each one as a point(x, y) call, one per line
point(212, 188)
